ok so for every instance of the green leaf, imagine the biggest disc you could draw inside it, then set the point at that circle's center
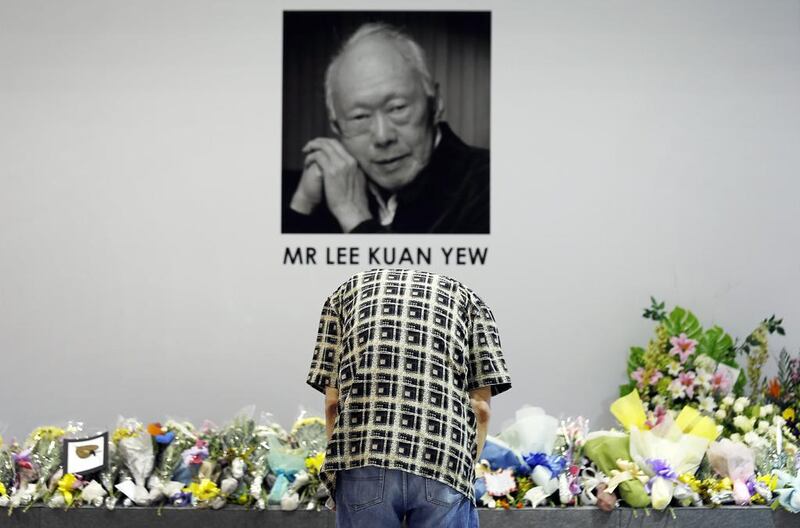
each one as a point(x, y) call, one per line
point(718, 345)
point(627, 388)
point(682, 321)
point(635, 359)
point(741, 383)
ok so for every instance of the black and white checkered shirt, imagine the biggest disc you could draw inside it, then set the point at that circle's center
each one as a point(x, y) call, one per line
point(404, 348)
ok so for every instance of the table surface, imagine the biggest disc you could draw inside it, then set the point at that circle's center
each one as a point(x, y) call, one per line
point(724, 517)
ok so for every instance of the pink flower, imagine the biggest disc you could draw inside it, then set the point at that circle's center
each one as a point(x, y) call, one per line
point(687, 381)
point(656, 417)
point(638, 376)
point(657, 375)
point(720, 382)
point(682, 346)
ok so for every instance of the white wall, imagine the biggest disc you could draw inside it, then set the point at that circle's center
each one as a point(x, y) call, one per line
point(638, 148)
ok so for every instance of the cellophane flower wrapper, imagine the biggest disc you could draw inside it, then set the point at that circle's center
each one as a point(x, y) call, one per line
point(138, 456)
point(285, 462)
point(605, 449)
point(237, 445)
point(108, 477)
point(499, 455)
point(259, 462)
point(664, 453)
point(532, 431)
point(35, 465)
point(788, 491)
point(570, 441)
point(308, 434)
point(7, 474)
point(737, 462)
point(174, 437)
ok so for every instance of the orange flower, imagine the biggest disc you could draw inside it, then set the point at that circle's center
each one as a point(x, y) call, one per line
point(774, 388)
point(155, 429)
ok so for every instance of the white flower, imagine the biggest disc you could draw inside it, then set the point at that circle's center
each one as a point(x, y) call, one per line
point(753, 440)
point(778, 421)
point(674, 369)
point(708, 404)
point(736, 437)
point(743, 423)
point(676, 389)
point(705, 362)
point(658, 399)
point(766, 410)
point(740, 404)
point(728, 400)
point(763, 426)
point(93, 493)
point(720, 429)
point(704, 379)
point(720, 415)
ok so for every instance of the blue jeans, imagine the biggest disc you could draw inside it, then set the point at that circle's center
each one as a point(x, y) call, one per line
point(373, 497)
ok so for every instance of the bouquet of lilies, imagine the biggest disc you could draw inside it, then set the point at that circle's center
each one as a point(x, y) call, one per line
point(685, 364)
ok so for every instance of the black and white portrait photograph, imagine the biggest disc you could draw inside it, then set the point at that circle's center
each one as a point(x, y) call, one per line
point(386, 122)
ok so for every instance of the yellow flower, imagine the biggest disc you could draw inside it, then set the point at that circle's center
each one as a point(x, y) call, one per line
point(771, 481)
point(124, 432)
point(65, 486)
point(305, 422)
point(243, 498)
point(46, 433)
point(314, 463)
point(2, 490)
point(788, 414)
point(691, 481)
point(204, 491)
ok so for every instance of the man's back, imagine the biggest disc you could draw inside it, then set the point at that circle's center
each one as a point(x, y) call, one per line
point(404, 349)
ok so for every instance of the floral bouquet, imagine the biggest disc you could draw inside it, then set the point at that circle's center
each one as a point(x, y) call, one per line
point(736, 462)
point(7, 474)
point(108, 476)
point(572, 482)
point(687, 365)
point(783, 391)
point(314, 493)
point(65, 490)
point(204, 494)
point(136, 451)
point(309, 435)
point(285, 463)
point(173, 438)
point(501, 488)
point(236, 443)
point(761, 428)
point(35, 464)
point(666, 449)
point(259, 458)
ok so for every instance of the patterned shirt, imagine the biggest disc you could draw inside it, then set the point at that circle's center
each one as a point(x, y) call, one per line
point(404, 348)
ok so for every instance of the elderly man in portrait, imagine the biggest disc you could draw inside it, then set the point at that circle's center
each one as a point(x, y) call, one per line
point(393, 164)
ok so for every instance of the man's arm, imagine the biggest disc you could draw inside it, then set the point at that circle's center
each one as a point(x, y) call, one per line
point(331, 409)
point(480, 400)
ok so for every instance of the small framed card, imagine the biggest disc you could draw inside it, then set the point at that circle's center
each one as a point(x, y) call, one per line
point(83, 456)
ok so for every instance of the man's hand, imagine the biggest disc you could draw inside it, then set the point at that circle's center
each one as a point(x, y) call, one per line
point(343, 180)
point(308, 194)
point(480, 401)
